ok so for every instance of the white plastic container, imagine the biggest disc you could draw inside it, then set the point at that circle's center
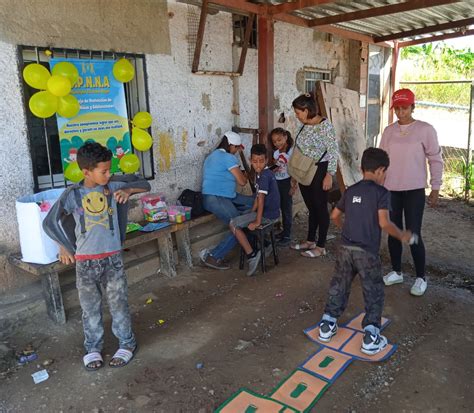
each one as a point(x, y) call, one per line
point(36, 246)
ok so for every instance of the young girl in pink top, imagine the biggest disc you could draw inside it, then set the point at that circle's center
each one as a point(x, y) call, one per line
point(410, 143)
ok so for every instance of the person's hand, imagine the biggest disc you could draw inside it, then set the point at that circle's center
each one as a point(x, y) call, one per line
point(406, 237)
point(121, 196)
point(327, 182)
point(433, 198)
point(65, 256)
point(253, 225)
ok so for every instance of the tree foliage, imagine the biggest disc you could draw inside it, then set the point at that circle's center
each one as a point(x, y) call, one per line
point(439, 62)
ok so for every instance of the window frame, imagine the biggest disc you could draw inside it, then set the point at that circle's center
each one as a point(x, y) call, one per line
point(136, 97)
point(315, 71)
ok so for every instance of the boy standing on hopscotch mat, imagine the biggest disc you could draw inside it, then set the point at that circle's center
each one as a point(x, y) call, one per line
point(366, 207)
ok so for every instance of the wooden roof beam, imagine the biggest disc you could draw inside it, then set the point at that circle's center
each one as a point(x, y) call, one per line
point(295, 5)
point(436, 38)
point(380, 11)
point(426, 30)
point(241, 5)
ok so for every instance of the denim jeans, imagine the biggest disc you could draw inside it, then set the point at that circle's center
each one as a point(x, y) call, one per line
point(91, 277)
point(225, 209)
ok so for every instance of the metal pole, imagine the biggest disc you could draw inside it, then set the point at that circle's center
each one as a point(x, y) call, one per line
point(469, 151)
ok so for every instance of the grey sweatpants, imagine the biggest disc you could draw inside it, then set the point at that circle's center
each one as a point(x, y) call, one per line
point(92, 278)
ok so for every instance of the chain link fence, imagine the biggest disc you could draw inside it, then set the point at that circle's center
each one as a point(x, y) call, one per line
point(453, 124)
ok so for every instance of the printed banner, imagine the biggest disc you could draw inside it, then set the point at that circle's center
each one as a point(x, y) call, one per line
point(103, 115)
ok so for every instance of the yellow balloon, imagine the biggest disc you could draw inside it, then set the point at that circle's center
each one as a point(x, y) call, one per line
point(73, 173)
point(59, 85)
point(66, 69)
point(36, 75)
point(141, 139)
point(129, 163)
point(123, 70)
point(142, 120)
point(68, 106)
point(43, 104)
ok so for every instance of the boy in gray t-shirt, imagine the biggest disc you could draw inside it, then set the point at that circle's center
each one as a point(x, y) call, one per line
point(98, 252)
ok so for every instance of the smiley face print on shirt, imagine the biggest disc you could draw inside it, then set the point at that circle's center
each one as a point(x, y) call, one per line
point(96, 210)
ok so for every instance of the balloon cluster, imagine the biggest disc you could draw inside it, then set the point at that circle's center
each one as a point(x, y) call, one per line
point(141, 141)
point(54, 89)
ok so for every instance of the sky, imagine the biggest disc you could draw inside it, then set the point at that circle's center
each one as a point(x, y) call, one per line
point(460, 42)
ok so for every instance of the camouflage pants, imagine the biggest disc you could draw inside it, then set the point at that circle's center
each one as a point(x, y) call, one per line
point(350, 262)
point(92, 277)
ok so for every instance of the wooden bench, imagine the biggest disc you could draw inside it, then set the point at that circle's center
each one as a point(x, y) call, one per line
point(49, 273)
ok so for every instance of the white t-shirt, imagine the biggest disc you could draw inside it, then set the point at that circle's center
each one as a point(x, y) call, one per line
point(281, 160)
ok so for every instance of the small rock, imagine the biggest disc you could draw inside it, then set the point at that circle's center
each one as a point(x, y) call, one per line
point(385, 383)
point(211, 392)
point(48, 362)
point(276, 372)
point(142, 400)
point(242, 345)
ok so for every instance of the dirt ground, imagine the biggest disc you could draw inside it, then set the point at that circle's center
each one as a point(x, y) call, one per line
point(247, 332)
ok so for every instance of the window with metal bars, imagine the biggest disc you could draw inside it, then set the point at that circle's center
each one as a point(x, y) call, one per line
point(239, 24)
point(43, 133)
point(311, 76)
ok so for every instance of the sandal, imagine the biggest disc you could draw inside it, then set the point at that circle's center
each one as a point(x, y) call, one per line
point(303, 246)
point(123, 354)
point(91, 358)
point(314, 253)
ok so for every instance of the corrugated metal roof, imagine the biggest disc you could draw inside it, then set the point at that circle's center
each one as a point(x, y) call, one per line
point(392, 24)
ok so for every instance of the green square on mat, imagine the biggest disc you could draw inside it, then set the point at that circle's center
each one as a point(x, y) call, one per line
point(290, 391)
point(233, 405)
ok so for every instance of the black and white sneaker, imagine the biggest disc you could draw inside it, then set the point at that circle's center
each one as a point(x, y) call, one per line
point(253, 263)
point(326, 330)
point(373, 344)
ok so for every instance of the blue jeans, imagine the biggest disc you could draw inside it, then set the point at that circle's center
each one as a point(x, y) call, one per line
point(225, 209)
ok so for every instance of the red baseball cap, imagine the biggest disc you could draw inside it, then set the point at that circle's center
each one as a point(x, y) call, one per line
point(403, 97)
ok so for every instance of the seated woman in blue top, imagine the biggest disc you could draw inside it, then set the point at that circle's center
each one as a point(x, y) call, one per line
point(220, 175)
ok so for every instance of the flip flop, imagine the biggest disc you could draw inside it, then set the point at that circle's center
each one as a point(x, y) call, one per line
point(91, 358)
point(299, 247)
point(125, 355)
point(311, 254)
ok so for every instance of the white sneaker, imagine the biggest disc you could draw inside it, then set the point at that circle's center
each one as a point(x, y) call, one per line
point(419, 287)
point(203, 254)
point(373, 344)
point(393, 277)
point(327, 329)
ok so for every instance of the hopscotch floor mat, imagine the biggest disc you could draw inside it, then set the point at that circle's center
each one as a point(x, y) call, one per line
point(302, 389)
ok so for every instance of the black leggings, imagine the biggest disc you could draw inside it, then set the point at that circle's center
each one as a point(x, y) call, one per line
point(410, 204)
point(316, 200)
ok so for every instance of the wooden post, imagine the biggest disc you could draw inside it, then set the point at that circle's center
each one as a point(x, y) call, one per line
point(265, 75)
point(469, 166)
point(393, 78)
